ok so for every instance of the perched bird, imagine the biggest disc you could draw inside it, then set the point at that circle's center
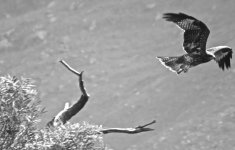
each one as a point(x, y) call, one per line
point(195, 38)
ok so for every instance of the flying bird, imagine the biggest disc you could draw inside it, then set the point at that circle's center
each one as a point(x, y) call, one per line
point(195, 38)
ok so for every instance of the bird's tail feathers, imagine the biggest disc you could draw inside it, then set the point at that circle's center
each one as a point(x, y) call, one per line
point(174, 64)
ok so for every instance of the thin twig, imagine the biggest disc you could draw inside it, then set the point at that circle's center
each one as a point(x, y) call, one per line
point(152, 122)
point(70, 68)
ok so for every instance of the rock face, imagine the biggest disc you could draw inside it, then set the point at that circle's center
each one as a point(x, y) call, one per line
point(116, 43)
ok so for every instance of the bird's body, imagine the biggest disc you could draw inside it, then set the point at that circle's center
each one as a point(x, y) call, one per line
point(195, 38)
point(182, 63)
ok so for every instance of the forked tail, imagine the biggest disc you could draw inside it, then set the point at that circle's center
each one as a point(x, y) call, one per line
point(175, 64)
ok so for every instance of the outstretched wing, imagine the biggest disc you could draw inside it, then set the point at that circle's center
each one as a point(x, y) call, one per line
point(196, 32)
point(222, 55)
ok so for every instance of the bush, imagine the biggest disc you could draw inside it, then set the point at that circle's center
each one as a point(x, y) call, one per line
point(69, 137)
point(19, 113)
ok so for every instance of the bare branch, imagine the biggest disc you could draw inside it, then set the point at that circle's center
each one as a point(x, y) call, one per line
point(69, 111)
point(70, 68)
point(135, 130)
point(81, 83)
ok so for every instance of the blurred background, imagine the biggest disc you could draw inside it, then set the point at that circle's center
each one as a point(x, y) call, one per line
point(115, 42)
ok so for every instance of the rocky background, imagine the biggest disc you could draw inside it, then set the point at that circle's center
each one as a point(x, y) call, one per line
point(115, 42)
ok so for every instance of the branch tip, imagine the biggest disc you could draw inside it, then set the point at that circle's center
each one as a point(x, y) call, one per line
point(143, 126)
point(70, 68)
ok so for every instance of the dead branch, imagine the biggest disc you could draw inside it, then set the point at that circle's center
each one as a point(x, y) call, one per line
point(135, 130)
point(69, 111)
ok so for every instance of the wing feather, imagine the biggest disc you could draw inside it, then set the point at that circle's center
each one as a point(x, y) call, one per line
point(222, 57)
point(196, 32)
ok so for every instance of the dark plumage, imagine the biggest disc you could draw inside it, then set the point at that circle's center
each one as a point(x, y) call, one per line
point(195, 38)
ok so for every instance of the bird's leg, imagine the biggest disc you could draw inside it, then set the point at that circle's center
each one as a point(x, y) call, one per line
point(184, 68)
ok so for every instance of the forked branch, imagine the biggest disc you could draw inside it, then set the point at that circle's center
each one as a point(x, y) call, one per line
point(69, 111)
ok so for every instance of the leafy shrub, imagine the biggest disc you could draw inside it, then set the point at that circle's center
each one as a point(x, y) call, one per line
point(19, 112)
point(69, 137)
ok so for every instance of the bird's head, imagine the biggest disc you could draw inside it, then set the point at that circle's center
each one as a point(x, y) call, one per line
point(222, 55)
point(222, 49)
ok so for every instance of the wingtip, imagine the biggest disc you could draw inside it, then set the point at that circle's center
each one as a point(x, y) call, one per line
point(167, 16)
point(172, 16)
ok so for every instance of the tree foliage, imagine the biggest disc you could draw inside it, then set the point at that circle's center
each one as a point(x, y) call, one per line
point(19, 112)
